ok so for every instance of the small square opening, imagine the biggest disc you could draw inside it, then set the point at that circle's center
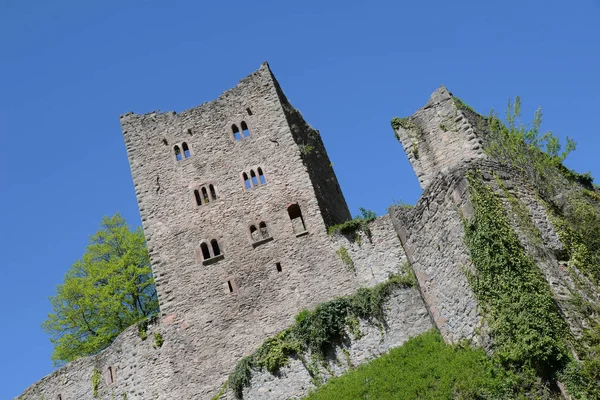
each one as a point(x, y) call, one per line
point(278, 266)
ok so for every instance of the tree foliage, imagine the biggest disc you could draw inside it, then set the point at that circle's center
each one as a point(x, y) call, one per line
point(110, 288)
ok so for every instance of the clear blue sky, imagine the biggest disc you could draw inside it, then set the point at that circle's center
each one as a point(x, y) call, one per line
point(69, 68)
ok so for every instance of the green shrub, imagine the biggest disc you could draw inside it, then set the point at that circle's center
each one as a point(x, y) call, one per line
point(425, 368)
point(350, 228)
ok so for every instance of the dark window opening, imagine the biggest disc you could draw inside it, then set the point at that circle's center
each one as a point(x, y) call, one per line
point(186, 150)
point(190, 132)
point(205, 195)
point(236, 132)
point(197, 196)
point(59, 397)
point(215, 247)
point(278, 266)
point(253, 177)
point(263, 230)
point(205, 251)
point(230, 286)
point(249, 111)
point(165, 142)
point(254, 233)
point(177, 153)
point(246, 181)
point(261, 177)
point(213, 194)
point(110, 378)
point(296, 218)
point(245, 129)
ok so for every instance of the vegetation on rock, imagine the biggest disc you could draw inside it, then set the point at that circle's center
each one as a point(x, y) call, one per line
point(317, 330)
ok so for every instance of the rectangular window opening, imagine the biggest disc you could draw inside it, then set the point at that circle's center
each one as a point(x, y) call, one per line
point(249, 111)
point(230, 286)
point(278, 266)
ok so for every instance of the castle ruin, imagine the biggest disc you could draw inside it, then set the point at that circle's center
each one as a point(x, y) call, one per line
point(236, 196)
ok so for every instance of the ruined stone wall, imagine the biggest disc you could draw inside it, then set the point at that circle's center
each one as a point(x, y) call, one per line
point(432, 236)
point(375, 254)
point(140, 369)
point(440, 136)
point(406, 317)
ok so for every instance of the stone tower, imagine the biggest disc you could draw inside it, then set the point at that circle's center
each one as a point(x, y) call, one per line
point(440, 136)
point(235, 197)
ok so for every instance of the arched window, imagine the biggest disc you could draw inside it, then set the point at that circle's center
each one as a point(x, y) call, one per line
point(205, 195)
point(197, 196)
point(177, 153)
point(296, 218)
point(236, 132)
point(263, 230)
point(254, 233)
point(205, 251)
point(245, 130)
point(246, 181)
point(261, 177)
point(215, 247)
point(186, 150)
point(253, 177)
point(213, 194)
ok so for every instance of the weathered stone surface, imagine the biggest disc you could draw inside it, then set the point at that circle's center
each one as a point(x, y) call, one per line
point(406, 317)
point(440, 136)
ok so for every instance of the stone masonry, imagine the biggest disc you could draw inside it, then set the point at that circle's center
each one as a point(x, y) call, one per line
point(236, 196)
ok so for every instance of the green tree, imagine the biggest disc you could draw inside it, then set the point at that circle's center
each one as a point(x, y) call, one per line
point(110, 288)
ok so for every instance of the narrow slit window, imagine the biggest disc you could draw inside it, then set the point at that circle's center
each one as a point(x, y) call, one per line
point(215, 247)
point(254, 233)
point(236, 132)
point(278, 266)
point(230, 286)
point(296, 218)
point(246, 181)
point(186, 150)
point(263, 230)
point(59, 397)
point(177, 153)
point(245, 129)
point(254, 179)
point(249, 111)
point(110, 377)
point(197, 197)
point(261, 177)
point(213, 194)
point(205, 251)
point(205, 195)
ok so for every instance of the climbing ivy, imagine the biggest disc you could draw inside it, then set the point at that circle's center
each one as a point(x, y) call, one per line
point(527, 329)
point(96, 377)
point(342, 253)
point(317, 330)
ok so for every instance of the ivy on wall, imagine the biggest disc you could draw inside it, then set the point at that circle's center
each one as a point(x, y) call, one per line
point(317, 330)
point(526, 326)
